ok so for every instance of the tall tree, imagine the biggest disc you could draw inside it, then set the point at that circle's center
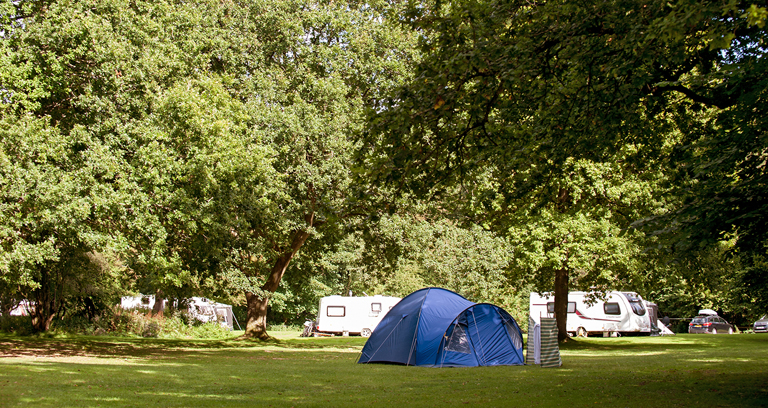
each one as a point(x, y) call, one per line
point(324, 63)
point(206, 140)
point(55, 193)
point(527, 88)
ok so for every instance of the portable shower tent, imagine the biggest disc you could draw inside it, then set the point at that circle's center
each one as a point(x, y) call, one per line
point(435, 327)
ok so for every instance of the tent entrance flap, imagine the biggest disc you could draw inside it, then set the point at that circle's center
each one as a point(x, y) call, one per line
point(493, 335)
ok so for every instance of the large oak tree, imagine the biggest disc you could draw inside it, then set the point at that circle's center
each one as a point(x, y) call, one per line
point(205, 141)
point(527, 89)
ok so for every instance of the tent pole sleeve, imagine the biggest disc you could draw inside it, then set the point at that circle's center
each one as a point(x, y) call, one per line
point(416, 332)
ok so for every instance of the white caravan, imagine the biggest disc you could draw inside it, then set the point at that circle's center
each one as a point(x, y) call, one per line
point(141, 302)
point(208, 311)
point(24, 308)
point(620, 312)
point(352, 315)
point(200, 308)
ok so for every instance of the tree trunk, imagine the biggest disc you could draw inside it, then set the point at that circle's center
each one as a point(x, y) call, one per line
point(256, 326)
point(159, 306)
point(46, 302)
point(561, 303)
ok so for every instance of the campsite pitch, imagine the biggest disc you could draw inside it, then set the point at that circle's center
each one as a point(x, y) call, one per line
point(685, 370)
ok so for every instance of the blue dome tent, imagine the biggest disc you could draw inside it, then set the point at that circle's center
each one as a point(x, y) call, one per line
point(435, 327)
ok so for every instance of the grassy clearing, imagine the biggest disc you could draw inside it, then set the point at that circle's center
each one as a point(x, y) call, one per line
point(685, 370)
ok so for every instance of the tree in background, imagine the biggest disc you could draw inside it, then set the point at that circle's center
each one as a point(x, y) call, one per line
point(56, 172)
point(204, 141)
point(533, 90)
point(204, 144)
point(707, 278)
point(325, 62)
point(416, 251)
point(396, 254)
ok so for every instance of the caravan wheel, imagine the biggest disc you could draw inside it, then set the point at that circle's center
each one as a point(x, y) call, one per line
point(582, 332)
point(366, 333)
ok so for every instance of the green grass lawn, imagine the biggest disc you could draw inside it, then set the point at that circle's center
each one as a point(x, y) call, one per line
point(685, 370)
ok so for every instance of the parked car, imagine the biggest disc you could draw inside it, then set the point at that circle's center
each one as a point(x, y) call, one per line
point(709, 322)
point(761, 326)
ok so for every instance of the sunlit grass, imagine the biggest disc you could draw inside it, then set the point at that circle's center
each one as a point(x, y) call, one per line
point(685, 370)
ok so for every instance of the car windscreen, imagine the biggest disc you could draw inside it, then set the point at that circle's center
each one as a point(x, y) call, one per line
point(698, 320)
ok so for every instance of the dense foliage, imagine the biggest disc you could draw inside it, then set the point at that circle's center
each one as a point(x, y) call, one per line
point(209, 148)
point(204, 142)
point(591, 118)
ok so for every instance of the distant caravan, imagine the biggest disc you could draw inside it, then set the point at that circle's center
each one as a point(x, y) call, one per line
point(621, 313)
point(352, 315)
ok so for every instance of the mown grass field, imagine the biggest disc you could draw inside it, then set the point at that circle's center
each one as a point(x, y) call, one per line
point(685, 370)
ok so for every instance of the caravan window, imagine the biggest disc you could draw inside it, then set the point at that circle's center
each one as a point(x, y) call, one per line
point(637, 307)
point(571, 307)
point(376, 307)
point(611, 309)
point(336, 311)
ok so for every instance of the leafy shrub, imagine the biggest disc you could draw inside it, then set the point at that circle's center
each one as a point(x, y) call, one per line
point(75, 324)
point(181, 324)
point(285, 327)
point(21, 325)
point(210, 331)
point(151, 329)
point(120, 322)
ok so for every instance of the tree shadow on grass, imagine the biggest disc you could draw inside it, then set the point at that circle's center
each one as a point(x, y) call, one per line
point(118, 347)
point(692, 342)
point(242, 377)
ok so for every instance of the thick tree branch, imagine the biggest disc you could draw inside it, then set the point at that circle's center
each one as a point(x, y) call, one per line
point(721, 103)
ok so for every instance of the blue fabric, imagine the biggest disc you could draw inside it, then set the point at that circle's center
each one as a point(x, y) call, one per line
point(393, 337)
point(493, 343)
point(440, 308)
point(439, 328)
